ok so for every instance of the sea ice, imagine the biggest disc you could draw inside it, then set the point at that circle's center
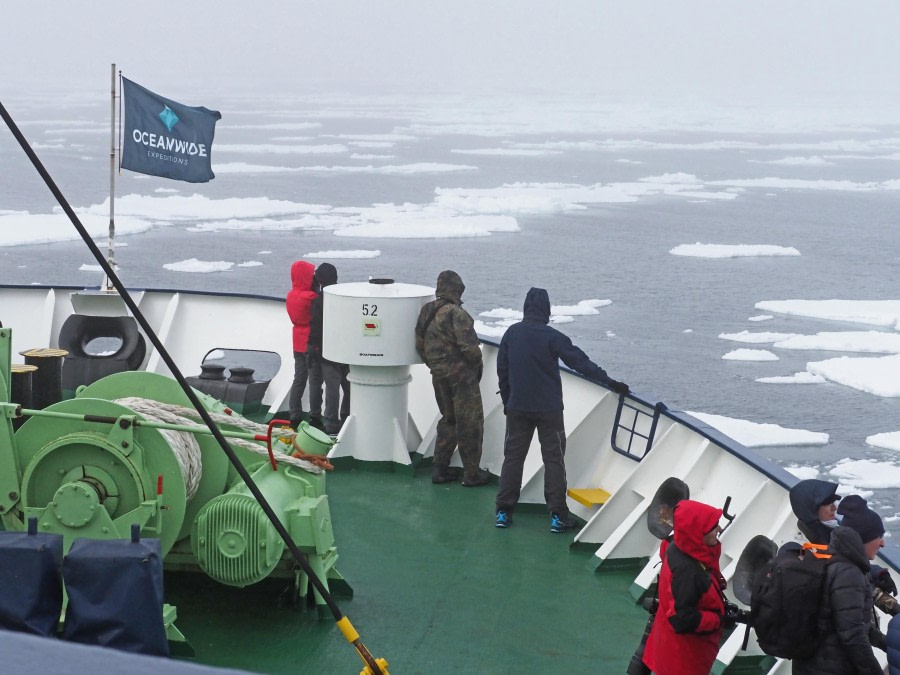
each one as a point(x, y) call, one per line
point(699, 250)
point(753, 434)
point(199, 266)
point(750, 355)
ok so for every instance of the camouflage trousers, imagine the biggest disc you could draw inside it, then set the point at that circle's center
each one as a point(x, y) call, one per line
point(462, 421)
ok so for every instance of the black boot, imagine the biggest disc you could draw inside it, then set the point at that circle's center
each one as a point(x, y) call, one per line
point(315, 421)
point(481, 478)
point(444, 474)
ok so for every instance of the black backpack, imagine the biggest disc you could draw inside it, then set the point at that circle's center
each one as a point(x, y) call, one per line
point(785, 600)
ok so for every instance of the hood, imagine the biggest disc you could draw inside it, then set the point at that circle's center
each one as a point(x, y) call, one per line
point(847, 542)
point(808, 495)
point(326, 274)
point(537, 305)
point(450, 286)
point(692, 521)
point(302, 275)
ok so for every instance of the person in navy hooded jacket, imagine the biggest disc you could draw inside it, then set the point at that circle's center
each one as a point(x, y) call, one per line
point(531, 390)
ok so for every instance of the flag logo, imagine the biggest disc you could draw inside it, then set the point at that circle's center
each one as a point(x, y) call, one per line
point(371, 327)
point(168, 118)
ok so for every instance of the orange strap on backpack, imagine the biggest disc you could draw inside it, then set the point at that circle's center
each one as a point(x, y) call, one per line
point(818, 550)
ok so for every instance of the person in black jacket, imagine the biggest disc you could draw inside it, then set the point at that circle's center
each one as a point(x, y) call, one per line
point(531, 390)
point(322, 371)
point(814, 502)
point(879, 577)
point(846, 609)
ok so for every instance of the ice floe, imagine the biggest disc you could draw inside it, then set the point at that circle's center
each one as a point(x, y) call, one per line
point(754, 434)
point(815, 160)
point(867, 473)
point(750, 355)
point(873, 312)
point(756, 338)
point(875, 375)
point(802, 377)
point(699, 250)
point(503, 317)
point(343, 254)
point(199, 266)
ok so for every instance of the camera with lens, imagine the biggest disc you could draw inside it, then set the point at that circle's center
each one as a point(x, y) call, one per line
point(886, 603)
point(734, 614)
point(636, 665)
point(651, 604)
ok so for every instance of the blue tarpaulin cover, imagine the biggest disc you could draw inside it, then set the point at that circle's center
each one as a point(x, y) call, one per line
point(115, 592)
point(30, 582)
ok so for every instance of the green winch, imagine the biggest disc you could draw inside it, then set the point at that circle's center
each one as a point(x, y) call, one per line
point(94, 465)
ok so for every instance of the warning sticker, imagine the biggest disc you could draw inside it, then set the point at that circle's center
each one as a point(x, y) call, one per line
point(371, 327)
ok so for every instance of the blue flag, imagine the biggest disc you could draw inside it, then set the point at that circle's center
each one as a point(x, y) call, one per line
point(165, 138)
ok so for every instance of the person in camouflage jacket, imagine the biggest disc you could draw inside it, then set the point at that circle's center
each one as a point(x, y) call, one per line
point(447, 343)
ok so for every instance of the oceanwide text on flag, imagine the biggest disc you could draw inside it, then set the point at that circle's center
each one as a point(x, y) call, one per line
point(165, 138)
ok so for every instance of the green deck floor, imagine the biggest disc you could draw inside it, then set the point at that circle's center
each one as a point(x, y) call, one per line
point(437, 589)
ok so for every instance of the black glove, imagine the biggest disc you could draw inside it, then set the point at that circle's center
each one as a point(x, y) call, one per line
point(730, 617)
point(882, 579)
point(618, 387)
point(876, 638)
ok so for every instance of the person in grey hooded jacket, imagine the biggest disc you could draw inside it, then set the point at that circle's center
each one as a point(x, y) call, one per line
point(531, 390)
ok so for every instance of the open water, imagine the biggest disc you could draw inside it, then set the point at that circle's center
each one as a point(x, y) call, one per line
point(660, 334)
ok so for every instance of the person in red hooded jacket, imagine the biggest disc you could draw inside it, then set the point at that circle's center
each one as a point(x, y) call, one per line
point(686, 632)
point(299, 308)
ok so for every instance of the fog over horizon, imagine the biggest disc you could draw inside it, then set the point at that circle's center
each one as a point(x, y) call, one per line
point(804, 53)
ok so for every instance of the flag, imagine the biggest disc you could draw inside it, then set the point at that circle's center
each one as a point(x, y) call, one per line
point(165, 138)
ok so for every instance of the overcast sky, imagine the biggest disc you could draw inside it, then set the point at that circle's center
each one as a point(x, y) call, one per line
point(758, 50)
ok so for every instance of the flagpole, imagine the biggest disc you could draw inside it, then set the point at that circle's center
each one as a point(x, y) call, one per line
point(111, 255)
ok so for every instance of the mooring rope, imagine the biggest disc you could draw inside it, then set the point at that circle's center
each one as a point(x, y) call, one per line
point(186, 449)
point(184, 445)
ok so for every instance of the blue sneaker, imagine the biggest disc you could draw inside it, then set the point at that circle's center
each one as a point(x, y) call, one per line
point(503, 519)
point(558, 525)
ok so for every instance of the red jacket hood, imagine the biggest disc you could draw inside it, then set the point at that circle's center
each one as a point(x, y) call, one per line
point(302, 275)
point(692, 521)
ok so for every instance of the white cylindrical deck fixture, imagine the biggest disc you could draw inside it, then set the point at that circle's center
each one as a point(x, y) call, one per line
point(371, 326)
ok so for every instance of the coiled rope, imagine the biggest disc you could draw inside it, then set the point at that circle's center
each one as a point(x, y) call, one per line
point(186, 449)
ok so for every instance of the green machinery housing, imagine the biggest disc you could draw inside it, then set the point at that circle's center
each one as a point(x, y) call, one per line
point(92, 467)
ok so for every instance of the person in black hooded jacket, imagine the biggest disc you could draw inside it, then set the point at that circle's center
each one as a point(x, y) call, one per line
point(846, 607)
point(322, 371)
point(814, 502)
point(531, 390)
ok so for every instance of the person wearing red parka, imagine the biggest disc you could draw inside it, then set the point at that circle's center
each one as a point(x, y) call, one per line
point(686, 632)
point(299, 308)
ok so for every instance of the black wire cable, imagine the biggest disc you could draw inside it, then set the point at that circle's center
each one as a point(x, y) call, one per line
point(176, 373)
